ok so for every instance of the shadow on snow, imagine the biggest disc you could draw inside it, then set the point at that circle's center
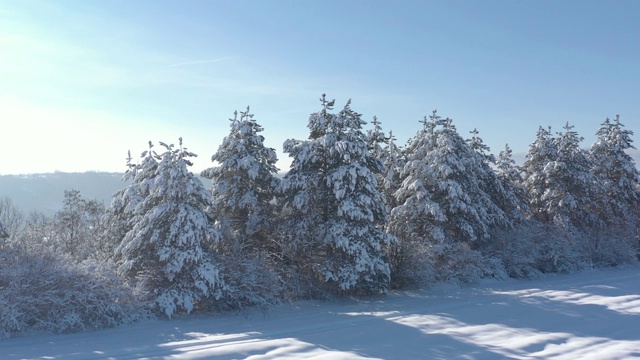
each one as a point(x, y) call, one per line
point(564, 317)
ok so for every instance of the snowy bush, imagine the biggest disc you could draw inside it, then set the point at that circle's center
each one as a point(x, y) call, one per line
point(296, 261)
point(44, 292)
point(415, 265)
point(411, 265)
point(560, 250)
point(250, 281)
point(611, 247)
point(518, 249)
point(77, 226)
point(459, 264)
point(533, 247)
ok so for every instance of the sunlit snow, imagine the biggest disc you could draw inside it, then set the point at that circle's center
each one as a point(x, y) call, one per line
point(589, 315)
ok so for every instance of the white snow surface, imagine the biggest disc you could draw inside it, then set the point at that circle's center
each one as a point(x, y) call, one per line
point(589, 315)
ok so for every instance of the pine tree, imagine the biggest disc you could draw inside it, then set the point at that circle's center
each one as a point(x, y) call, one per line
point(617, 172)
point(393, 160)
point(332, 205)
point(489, 183)
point(376, 138)
point(449, 203)
point(561, 188)
point(506, 168)
point(450, 183)
point(169, 245)
point(510, 175)
point(120, 216)
point(477, 144)
point(618, 201)
point(564, 188)
point(385, 149)
point(244, 184)
point(542, 152)
point(515, 247)
point(418, 215)
point(243, 190)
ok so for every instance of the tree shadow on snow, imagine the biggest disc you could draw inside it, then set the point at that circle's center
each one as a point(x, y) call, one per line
point(519, 320)
point(547, 321)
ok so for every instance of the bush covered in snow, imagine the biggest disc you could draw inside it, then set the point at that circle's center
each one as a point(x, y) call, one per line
point(250, 281)
point(47, 292)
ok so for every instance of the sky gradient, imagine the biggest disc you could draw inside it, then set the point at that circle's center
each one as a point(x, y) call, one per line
point(85, 81)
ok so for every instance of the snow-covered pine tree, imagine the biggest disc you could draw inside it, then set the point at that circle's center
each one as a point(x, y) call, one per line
point(548, 179)
point(506, 169)
point(516, 247)
point(333, 209)
point(564, 188)
point(418, 215)
point(460, 191)
point(490, 183)
point(510, 175)
point(376, 138)
point(542, 152)
point(243, 188)
point(393, 160)
point(244, 184)
point(169, 246)
point(477, 144)
point(385, 149)
point(617, 172)
point(618, 201)
point(416, 218)
point(120, 216)
point(449, 196)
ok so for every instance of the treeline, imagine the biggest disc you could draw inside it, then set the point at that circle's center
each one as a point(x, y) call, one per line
point(354, 214)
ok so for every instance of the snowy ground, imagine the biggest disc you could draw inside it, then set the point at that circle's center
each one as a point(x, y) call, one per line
point(589, 315)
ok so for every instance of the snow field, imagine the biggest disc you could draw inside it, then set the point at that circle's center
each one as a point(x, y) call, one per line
point(588, 315)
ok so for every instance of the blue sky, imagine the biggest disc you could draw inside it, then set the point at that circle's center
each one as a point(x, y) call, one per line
point(85, 81)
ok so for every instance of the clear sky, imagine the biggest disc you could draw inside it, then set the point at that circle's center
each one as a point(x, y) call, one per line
point(82, 82)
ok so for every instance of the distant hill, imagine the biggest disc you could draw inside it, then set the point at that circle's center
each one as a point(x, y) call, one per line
point(45, 192)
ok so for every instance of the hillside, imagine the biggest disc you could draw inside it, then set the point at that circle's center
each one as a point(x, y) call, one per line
point(45, 192)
